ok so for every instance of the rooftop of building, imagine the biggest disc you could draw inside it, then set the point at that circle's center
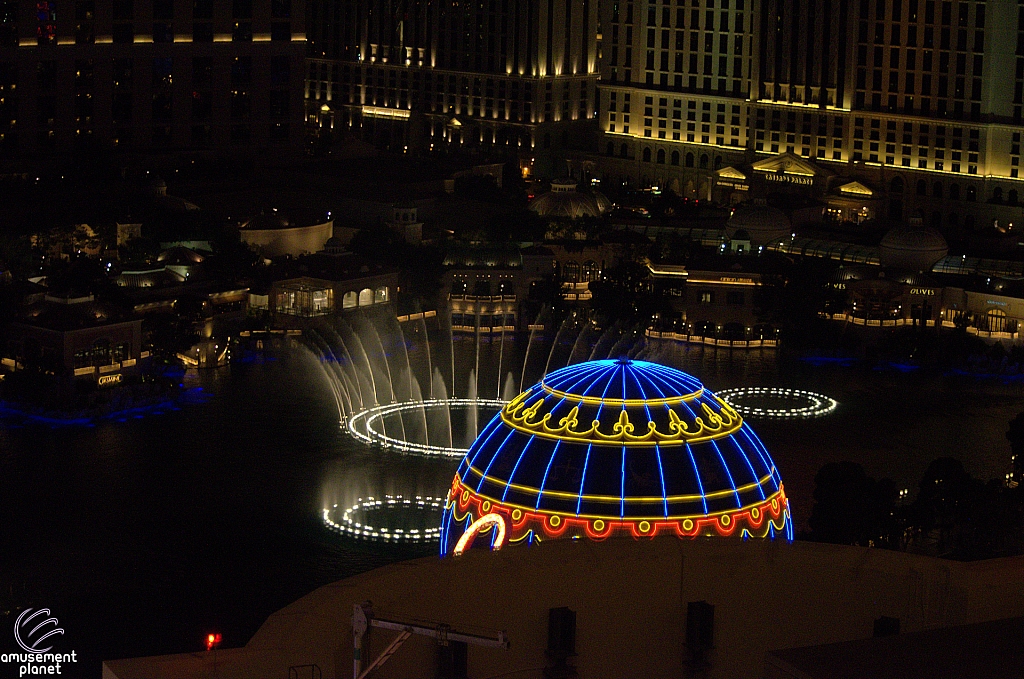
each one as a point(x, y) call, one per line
point(631, 600)
point(978, 651)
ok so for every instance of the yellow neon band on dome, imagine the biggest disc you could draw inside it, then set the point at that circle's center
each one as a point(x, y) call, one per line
point(638, 402)
point(711, 426)
point(653, 517)
point(640, 499)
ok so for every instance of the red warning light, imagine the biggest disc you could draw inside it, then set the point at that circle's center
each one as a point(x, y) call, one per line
point(212, 641)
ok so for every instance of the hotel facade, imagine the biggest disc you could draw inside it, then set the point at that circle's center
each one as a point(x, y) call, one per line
point(414, 74)
point(913, 106)
point(150, 75)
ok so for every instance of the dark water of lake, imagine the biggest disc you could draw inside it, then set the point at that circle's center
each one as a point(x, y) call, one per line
point(142, 536)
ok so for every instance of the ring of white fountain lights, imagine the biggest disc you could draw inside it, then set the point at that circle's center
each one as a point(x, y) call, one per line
point(350, 526)
point(808, 403)
point(369, 418)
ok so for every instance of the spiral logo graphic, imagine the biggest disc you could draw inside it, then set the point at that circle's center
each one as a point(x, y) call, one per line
point(30, 630)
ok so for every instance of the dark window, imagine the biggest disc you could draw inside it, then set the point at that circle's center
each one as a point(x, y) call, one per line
point(123, 10)
point(163, 106)
point(280, 70)
point(162, 33)
point(241, 71)
point(281, 9)
point(240, 105)
point(281, 31)
point(202, 71)
point(162, 71)
point(279, 104)
point(241, 9)
point(202, 32)
point(163, 10)
point(279, 131)
point(123, 33)
point(202, 105)
point(202, 9)
point(85, 10)
point(242, 31)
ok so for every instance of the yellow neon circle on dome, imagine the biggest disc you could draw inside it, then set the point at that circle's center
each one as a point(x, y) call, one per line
point(756, 513)
point(725, 520)
point(644, 526)
point(687, 525)
point(517, 514)
point(555, 520)
point(465, 496)
point(486, 506)
point(599, 525)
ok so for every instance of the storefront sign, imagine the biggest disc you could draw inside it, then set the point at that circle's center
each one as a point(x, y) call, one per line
point(929, 292)
point(109, 380)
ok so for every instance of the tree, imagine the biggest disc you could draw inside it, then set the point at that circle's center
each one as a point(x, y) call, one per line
point(625, 294)
point(851, 508)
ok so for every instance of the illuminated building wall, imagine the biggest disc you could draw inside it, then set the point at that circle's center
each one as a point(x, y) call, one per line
point(150, 74)
point(919, 99)
point(478, 73)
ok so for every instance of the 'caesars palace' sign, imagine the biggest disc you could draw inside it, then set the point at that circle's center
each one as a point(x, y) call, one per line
point(790, 179)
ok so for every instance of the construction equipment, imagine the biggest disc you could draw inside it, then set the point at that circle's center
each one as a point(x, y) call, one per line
point(363, 619)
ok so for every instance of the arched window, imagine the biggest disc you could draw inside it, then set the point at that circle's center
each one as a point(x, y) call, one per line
point(647, 155)
point(1011, 197)
point(718, 162)
point(611, 148)
point(997, 195)
point(365, 297)
point(954, 191)
point(624, 151)
point(972, 194)
point(661, 156)
point(571, 271)
point(689, 160)
point(703, 161)
point(996, 320)
point(590, 271)
point(937, 190)
point(380, 295)
point(896, 185)
point(922, 187)
point(675, 157)
point(350, 300)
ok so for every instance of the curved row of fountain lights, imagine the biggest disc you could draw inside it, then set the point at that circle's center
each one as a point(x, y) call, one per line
point(807, 404)
point(350, 525)
point(367, 425)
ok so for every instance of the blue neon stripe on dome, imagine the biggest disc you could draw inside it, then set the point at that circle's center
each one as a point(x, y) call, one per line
point(590, 447)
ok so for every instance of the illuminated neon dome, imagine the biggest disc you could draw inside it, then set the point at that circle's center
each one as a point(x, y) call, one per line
point(610, 448)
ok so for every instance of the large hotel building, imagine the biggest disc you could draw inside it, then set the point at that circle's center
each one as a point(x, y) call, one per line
point(893, 108)
point(150, 75)
point(506, 73)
